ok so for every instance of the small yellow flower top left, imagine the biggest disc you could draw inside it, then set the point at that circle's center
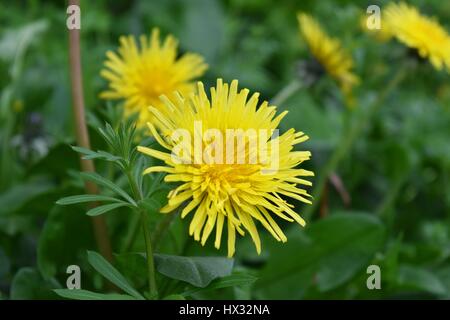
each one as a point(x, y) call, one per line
point(139, 74)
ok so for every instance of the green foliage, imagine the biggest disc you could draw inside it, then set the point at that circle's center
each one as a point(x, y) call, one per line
point(96, 178)
point(29, 285)
point(60, 244)
point(233, 280)
point(397, 174)
point(198, 271)
point(330, 253)
point(80, 294)
point(109, 272)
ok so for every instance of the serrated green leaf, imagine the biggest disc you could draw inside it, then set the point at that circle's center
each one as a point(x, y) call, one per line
point(105, 208)
point(80, 294)
point(109, 272)
point(85, 198)
point(92, 176)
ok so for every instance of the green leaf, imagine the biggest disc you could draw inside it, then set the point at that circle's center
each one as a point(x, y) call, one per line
point(234, 280)
point(103, 155)
point(92, 176)
point(105, 208)
point(444, 276)
point(85, 198)
point(82, 150)
point(174, 297)
point(29, 285)
point(80, 294)
point(132, 265)
point(198, 271)
point(416, 278)
point(17, 196)
point(322, 125)
point(60, 243)
point(15, 42)
point(5, 265)
point(109, 272)
point(196, 15)
point(329, 253)
point(90, 154)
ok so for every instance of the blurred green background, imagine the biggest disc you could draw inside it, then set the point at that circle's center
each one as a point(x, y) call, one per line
point(400, 166)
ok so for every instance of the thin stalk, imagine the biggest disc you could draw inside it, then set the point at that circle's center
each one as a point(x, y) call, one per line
point(286, 93)
point(82, 136)
point(148, 240)
point(349, 139)
point(392, 194)
point(134, 187)
point(149, 252)
point(134, 225)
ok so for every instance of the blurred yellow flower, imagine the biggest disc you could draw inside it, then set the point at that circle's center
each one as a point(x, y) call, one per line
point(329, 53)
point(17, 105)
point(419, 32)
point(140, 74)
point(231, 192)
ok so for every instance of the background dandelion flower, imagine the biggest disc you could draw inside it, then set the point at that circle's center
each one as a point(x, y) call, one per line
point(139, 74)
point(232, 194)
point(419, 32)
point(329, 53)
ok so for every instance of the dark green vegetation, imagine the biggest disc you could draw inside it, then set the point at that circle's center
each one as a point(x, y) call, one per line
point(397, 173)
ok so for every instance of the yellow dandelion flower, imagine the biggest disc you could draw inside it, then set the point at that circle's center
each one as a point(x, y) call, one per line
point(419, 32)
point(329, 53)
point(140, 74)
point(232, 193)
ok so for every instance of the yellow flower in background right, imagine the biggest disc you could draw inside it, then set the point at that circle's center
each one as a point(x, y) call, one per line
point(330, 54)
point(419, 32)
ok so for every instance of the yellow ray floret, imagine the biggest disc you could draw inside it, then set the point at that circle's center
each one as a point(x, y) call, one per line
point(329, 53)
point(419, 32)
point(139, 74)
point(236, 195)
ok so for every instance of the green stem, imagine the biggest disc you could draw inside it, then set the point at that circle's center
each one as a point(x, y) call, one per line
point(286, 93)
point(134, 225)
point(392, 194)
point(349, 139)
point(148, 241)
point(150, 262)
point(134, 187)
